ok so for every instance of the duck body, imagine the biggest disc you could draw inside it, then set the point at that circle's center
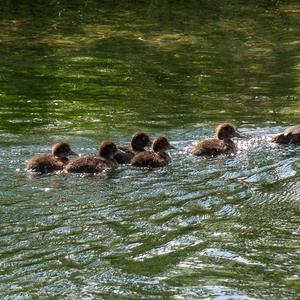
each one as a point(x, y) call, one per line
point(95, 164)
point(290, 136)
point(138, 143)
point(54, 162)
point(46, 163)
point(124, 155)
point(221, 145)
point(156, 158)
point(151, 159)
point(89, 164)
point(214, 147)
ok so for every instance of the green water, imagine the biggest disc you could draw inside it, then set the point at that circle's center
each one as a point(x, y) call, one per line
point(85, 71)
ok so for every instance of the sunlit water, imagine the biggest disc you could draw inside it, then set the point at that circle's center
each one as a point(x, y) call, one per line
point(199, 228)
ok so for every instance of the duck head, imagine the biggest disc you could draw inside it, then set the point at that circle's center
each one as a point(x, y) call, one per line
point(226, 131)
point(62, 149)
point(107, 150)
point(140, 140)
point(161, 144)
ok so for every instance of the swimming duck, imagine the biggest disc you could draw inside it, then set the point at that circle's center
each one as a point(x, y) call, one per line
point(56, 161)
point(222, 144)
point(138, 143)
point(290, 135)
point(95, 164)
point(158, 157)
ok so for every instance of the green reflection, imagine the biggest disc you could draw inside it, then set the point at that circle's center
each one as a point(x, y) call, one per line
point(164, 64)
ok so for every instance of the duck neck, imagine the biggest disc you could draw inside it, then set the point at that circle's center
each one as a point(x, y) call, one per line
point(61, 159)
point(227, 141)
point(137, 148)
point(110, 159)
point(164, 155)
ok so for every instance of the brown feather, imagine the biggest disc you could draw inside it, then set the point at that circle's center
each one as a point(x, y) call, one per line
point(46, 163)
point(290, 135)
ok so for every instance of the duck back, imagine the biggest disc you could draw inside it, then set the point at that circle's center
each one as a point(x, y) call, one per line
point(124, 155)
point(150, 159)
point(46, 163)
point(89, 164)
point(290, 135)
point(214, 147)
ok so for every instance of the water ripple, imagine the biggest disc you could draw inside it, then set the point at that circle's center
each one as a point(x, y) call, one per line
point(133, 229)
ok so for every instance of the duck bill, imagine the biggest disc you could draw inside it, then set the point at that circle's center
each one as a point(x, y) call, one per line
point(73, 153)
point(172, 147)
point(237, 134)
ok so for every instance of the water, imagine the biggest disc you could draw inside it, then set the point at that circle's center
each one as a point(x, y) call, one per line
point(200, 228)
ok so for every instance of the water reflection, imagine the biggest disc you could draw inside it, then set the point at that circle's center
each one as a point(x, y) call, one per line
point(169, 70)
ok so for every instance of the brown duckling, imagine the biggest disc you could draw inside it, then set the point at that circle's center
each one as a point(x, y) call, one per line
point(95, 164)
point(158, 157)
point(56, 161)
point(221, 145)
point(289, 136)
point(139, 141)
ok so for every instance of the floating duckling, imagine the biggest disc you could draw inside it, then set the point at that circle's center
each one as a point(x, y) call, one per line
point(95, 164)
point(139, 141)
point(156, 158)
point(289, 136)
point(48, 163)
point(221, 145)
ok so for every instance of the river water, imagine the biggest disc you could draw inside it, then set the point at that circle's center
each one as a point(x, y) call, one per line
point(200, 228)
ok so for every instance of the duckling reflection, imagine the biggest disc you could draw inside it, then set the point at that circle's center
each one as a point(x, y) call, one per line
point(221, 145)
point(95, 164)
point(139, 141)
point(290, 136)
point(156, 158)
point(56, 161)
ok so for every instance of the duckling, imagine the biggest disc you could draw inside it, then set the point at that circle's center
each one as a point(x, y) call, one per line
point(95, 164)
point(56, 161)
point(156, 158)
point(290, 135)
point(222, 144)
point(139, 141)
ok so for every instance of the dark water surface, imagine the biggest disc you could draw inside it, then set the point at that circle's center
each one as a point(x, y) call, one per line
point(84, 71)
